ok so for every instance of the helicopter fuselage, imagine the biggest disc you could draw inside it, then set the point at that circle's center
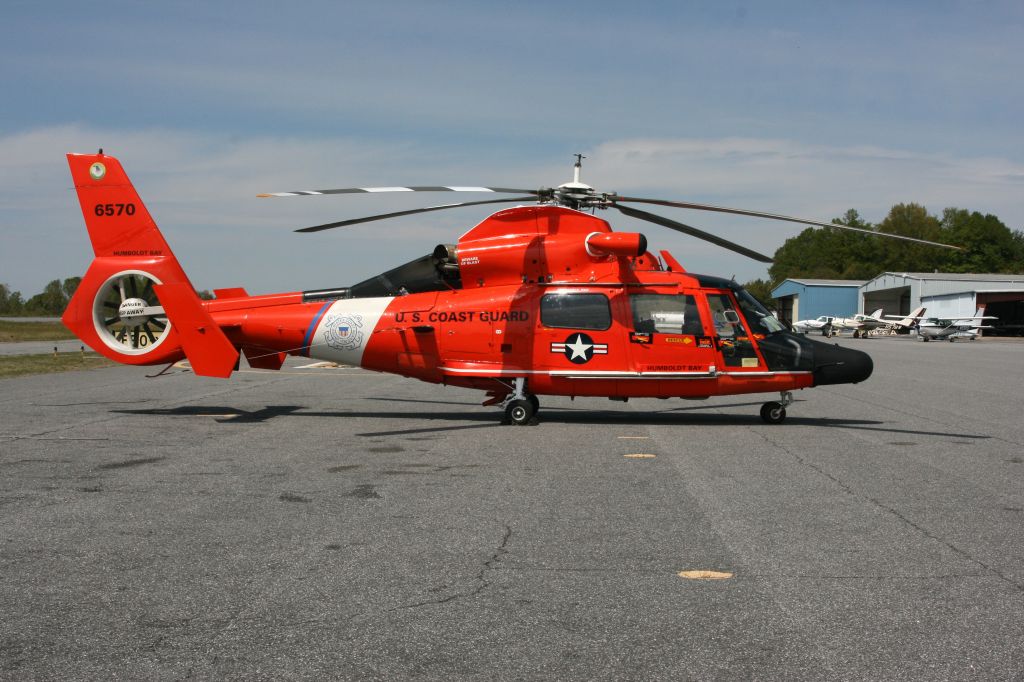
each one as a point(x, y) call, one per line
point(607, 324)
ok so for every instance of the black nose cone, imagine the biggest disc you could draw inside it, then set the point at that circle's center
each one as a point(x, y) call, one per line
point(837, 365)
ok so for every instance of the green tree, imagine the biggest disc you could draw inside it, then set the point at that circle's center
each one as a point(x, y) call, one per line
point(911, 220)
point(70, 286)
point(989, 245)
point(825, 253)
point(52, 301)
point(10, 301)
point(1018, 247)
point(761, 289)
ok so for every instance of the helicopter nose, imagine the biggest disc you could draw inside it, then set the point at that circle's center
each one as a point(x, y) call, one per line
point(834, 364)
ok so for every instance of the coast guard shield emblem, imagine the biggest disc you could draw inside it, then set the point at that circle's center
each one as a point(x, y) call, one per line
point(343, 332)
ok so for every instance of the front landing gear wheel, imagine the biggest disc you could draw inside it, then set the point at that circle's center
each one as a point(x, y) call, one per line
point(773, 413)
point(520, 412)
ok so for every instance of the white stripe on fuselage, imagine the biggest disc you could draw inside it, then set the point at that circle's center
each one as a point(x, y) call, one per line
point(344, 331)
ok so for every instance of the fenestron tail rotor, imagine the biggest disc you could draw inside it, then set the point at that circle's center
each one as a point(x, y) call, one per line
point(127, 314)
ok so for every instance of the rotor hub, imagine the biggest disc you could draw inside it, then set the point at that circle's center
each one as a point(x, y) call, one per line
point(132, 312)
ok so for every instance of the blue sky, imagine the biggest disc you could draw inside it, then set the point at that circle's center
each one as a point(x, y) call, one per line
point(800, 108)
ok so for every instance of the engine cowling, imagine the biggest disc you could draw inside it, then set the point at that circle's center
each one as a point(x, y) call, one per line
point(625, 244)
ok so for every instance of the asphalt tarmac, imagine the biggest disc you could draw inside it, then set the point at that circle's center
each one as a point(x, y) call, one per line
point(41, 347)
point(336, 523)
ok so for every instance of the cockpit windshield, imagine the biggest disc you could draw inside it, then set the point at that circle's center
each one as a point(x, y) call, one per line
point(758, 318)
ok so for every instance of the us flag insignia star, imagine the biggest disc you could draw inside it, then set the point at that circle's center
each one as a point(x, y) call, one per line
point(579, 348)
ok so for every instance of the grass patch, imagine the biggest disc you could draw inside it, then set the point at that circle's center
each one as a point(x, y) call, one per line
point(20, 365)
point(33, 331)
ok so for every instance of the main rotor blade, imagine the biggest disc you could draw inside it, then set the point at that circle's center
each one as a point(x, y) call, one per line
point(383, 216)
point(373, 190)
point(693, 232)
point(775, 216)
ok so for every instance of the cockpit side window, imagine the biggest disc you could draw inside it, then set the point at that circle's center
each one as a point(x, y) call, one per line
point(666, 314)
point(727, 323)
point(758, 318)
point(732, 339)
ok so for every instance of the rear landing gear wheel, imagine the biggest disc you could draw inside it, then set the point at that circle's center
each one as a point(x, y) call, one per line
point(520, 412)
point(773, 413)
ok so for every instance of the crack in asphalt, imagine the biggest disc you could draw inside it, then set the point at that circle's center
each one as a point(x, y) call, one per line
point(480, 578)
point(891, 408)
point(892, 510)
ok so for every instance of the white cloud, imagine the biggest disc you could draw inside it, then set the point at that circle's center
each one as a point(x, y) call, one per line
point(821, 181)
point(201, 190)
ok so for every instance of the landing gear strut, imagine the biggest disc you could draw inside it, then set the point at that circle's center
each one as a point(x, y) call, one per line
point(775, 412)
point(521, 407)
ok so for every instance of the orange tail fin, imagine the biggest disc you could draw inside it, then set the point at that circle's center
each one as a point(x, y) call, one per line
point(116, 309)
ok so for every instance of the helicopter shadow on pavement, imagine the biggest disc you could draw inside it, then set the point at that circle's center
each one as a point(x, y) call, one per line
point(219, 413)
point(677, 416)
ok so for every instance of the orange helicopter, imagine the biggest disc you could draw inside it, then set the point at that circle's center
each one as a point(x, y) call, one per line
point(539, 299)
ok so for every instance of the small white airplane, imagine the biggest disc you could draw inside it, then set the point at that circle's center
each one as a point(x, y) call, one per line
point(823, 323)
point(952, 329)
point(860, 323)
point(905, 322)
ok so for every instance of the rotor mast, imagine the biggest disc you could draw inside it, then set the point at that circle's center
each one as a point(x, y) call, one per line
point(575, 194)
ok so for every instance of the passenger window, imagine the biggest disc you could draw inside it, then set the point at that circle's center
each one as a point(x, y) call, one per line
point(576, 311)
point(666, 314)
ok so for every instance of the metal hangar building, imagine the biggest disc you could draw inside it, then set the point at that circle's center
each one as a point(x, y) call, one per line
point(947, 295)
point(806, 299)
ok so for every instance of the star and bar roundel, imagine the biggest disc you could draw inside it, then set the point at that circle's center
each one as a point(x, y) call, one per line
point(579, 348)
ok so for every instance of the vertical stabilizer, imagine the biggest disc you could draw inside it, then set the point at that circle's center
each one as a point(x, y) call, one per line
point(117, 309)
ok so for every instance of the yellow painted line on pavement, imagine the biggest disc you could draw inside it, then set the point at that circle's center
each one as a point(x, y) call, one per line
point(307, 374)
point(705, 575)
point(219, 415)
